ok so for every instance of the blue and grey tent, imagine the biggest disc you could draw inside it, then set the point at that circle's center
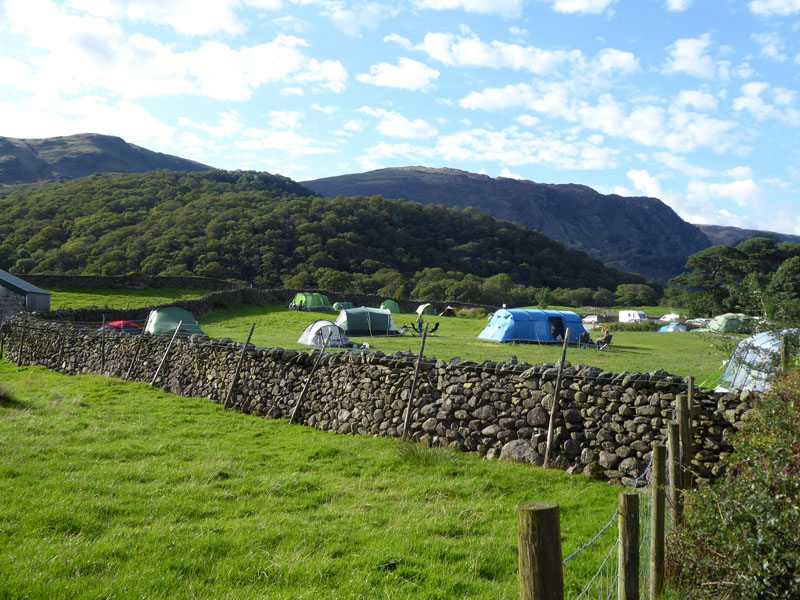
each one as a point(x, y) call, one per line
point(754, 362)
point(530, 326)
point(672, 327)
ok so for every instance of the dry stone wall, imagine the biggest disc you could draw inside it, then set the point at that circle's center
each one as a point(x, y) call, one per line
point(605, 427)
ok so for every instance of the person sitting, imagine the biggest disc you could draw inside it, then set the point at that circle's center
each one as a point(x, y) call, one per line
point(603, 342)
point(584, 340)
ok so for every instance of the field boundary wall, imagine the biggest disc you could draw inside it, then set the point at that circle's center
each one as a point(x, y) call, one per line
point(605, 428)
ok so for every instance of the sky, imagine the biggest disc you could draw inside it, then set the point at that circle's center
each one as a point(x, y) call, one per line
point(694, 102)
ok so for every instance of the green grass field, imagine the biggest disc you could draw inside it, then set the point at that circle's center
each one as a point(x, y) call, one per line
point(117, 490)
point(119, 299)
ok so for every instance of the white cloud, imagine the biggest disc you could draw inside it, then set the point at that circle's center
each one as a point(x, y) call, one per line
point(681, 165)
point(678, 5)
point(775, 8)
point(329, 74)
point(740, 173)
point(508, 174)
point(751, 101)
point(408, 74)
point(399, 39)
point(695, 99)
point(352, 17)
point(229, 124)
point(284, 119)
point(645, 183)
point(506, 8)
point(771, 46)
point(585, 7)
point(353, 125)
point(288, 142)
point(327, 110)
point(688, 56)
point(745, 192)
point(394, 124)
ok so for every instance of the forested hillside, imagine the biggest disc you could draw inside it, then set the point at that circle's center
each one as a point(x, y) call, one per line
point(269, 230)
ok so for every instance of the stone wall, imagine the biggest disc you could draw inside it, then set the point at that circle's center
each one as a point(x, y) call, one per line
point(10, 302)
point(605, 428)
point(134, 281)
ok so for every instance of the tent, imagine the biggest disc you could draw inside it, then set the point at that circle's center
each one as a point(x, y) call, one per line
point(730, 323)
point(532, 326)
point(426, 309)
point(342, 305)
point(672, 327)
point(310, 301)
point(125, 326)
point(391, 306)
point(367, 322)
point(449, 311)
point(165, 320)
point(319, 331)
point(753, 362)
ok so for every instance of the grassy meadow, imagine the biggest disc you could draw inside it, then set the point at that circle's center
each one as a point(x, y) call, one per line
point(119, 298)
point(114, 489)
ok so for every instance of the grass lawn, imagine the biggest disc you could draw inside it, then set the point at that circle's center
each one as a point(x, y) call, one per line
point(119, 299)
point(116, 490)
point(678, 353)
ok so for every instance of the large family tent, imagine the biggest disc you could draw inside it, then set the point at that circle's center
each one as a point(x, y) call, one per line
point(532, 326)
point(342, 305)
point(367, 322)
point(310, 301)
point(426, 309)
point(318, 332)
point(730, 323)
point(753, 362)
point(391, 306)
point(672, 328)
point(165, 320)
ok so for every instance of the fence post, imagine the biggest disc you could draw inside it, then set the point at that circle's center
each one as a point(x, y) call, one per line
point(657, 522)
point(166, 352)
point(541, 574)
point(628, 551)
point(685, 423)
point(238, 368)
point(22, 339)
point(675, 497)
point(785, 354)
point(556, 394)
point(308, 379)
point(103, 345)
point(135, 355)
point(407, 420)
point(61, 348)
point(2, 345)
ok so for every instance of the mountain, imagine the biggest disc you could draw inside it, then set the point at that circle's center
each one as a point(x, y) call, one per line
point(267, 229)
point(76, 156)
point(731, 236)
point(641, 235)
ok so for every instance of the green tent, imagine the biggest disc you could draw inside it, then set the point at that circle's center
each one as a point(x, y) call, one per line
point(731, 323)
point(164, 321)
point(364, 321)
point(310, 301)
point(342, 305)
point(391, 306)
point(426, 309)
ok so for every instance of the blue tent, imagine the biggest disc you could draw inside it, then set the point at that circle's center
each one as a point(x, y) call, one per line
point(532, 326)
point(672, 327)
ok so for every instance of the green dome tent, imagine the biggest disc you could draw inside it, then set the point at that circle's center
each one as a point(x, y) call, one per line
point(342, 305)
point(730, 323)
point(391, 306)
point(364, 321)
point(426, 309)
point(310, 301)
point(164, 321)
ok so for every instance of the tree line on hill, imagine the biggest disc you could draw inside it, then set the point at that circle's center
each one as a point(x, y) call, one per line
point(271, 231)
point(759, 277)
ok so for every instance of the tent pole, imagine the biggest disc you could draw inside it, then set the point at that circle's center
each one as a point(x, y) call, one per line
point(308, 379)
point(166, 352)
point(407, 421)
point(238, 368)
point(556, 394)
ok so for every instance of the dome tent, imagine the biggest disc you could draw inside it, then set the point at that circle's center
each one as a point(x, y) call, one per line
point(530, 326)
point(310, 301)
point(753, 362)
point(342, 305)
point(672, 327)
point(318, 332)
point(426, 309)
point(365, 321)
point(729, 323)
point(164, 321)
point(391, 306)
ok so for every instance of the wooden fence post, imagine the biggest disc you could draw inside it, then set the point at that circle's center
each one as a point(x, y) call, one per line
point(166, 352)
point(628, 550)
point(308, 379)
point(135, 355)
point(103, 345)
point(238, 368)
point(409, 404)
point(785, 353)
point(2, 345)
point(556, 403)
point(657, 521)
point(541, 574)
point(675, 479)
point(685, 423)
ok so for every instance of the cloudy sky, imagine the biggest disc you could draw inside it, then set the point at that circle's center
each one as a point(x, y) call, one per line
point(691, 101)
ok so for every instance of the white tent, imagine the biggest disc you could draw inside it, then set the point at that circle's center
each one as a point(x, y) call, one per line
point(753, 363)
point(319, 331)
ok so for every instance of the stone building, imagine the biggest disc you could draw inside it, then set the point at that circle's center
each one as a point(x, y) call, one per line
point(17, 295)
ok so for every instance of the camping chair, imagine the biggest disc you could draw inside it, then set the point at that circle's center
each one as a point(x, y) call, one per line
point(435, 327)
point(607, 344)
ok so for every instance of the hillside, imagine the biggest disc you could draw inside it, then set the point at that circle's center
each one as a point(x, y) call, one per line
point(641, 235)
point(76, 156)
point(731, 236)
point(265, 228)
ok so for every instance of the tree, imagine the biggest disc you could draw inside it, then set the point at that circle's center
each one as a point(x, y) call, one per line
point(543, 297)
point(711, 270)
point(333, 280)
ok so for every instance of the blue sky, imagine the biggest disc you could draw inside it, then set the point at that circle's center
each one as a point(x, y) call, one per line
point(691, 101)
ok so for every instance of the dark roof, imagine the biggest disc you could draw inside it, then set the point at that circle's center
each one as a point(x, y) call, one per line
point(19, 285)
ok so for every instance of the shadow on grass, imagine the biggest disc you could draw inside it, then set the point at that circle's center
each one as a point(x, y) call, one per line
point(7, 400)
